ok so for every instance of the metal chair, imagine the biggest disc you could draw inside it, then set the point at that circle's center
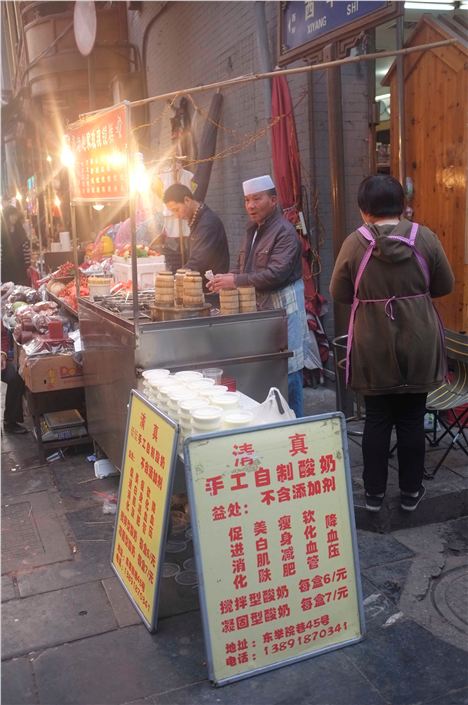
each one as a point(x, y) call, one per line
point(342, 402)
point(451, 396)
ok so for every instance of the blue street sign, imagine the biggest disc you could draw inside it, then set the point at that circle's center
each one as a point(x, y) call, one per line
point(304, 22)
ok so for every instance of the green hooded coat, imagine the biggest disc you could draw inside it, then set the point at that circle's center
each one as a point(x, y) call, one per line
point(403, 354)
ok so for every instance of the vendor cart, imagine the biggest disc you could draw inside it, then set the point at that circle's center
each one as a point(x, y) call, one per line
point(250, 347)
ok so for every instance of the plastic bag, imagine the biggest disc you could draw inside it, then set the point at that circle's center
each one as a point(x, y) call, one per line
point(274, 408)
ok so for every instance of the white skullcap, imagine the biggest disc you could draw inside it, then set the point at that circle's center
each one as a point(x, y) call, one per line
point(260, 183)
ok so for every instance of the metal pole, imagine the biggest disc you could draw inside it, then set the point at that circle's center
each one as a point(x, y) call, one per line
point(75, 248)
point(401, 101)
point(39, 187)
point(289, 72)
point(312, 171)
point(337, 185)
point(264, 55)
point(91, 86)
point(131, 201)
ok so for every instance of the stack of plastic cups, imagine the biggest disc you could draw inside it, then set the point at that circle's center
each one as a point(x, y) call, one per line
point(163, 394)
point(197, 386)
point(186, 406)
point(176, 395)
point(152, 379)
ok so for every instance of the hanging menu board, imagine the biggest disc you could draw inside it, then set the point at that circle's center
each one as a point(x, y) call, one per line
point(274, 534)
point(99, 147)
point(144, 495)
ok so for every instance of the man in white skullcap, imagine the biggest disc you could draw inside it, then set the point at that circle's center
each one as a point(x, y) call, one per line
point(270, 260)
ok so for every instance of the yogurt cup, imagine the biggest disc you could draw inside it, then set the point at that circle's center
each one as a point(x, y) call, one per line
point(199, 384)
point(228, 401)
point(164, 393)
point(237, 419)
point(155, 373)
point(206, 418)
point(217, 390)
point(188, 375)
point(187, 405)
point(174, 396)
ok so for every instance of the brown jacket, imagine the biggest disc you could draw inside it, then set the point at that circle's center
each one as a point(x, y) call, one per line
point(405, 354)
point(274, 261)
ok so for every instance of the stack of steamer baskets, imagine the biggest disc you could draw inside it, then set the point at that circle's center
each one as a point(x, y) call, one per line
point(240, 300)
point(247, 299)
point(229, 301)
point(180, 296)
point(164, 289)
point(193, 290)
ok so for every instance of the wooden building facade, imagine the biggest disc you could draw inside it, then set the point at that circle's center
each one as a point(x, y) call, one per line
point(436, 147)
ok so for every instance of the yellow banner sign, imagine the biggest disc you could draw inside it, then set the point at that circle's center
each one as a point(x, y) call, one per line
point(144, 495)
point(275, 543)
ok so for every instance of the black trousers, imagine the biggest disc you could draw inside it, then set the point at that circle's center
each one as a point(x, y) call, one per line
point(406, 413)
point(13, 412)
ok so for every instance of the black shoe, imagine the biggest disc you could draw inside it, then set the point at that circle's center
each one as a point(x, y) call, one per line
point(409, 503)
point(374, 502)
point(14, 428)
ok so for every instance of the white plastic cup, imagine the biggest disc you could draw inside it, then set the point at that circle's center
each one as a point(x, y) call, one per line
point(206, 419)
point(197, 385)
point(163, 394)
point(174, 396)
point(155, 373)
point(214, 373)
point(237, 419)
point(189, 375)
point(228, 401)
point(187, 405)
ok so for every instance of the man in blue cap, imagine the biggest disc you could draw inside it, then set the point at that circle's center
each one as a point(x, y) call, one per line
point(270, 260)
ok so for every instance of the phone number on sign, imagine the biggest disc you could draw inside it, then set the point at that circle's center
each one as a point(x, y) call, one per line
point(305, 639)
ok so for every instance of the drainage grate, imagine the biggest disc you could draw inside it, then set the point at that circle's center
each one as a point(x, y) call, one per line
point(19, 533)
point(450, 597)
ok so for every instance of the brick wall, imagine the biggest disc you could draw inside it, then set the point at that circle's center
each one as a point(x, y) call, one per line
point(193, 43)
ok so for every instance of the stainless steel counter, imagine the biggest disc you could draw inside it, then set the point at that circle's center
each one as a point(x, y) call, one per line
point(251, 347)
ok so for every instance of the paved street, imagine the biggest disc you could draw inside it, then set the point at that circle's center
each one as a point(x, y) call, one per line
point(70, 634)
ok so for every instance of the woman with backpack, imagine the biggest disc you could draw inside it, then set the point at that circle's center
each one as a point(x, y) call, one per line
point(389, 270)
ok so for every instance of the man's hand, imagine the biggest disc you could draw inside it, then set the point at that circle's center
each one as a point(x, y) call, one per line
point(222, 281)
point(4, 360)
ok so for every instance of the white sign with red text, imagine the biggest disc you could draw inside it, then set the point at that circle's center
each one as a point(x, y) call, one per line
point(275, 542)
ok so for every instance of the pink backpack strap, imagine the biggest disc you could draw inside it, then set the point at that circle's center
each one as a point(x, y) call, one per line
point(366, 257)
point(411, 243)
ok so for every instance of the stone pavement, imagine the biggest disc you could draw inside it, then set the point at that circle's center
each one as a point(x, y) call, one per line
point(70, 634)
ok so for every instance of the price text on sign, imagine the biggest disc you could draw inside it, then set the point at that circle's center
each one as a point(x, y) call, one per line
point(144, 495)
point(99, 147)
point(279, 579)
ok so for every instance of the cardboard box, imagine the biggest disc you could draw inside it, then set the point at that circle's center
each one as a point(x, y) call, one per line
point(46, 373)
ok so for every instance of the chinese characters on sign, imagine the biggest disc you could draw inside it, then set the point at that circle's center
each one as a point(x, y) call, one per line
point(280, 582)
point(99, 148)
point(308, 26)
point(144, 495)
